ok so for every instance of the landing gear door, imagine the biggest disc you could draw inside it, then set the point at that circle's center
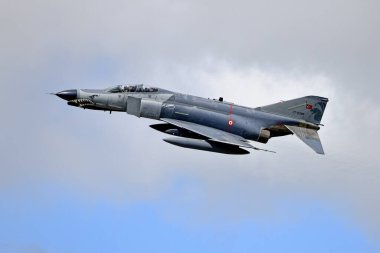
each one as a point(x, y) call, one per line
point(133, 106)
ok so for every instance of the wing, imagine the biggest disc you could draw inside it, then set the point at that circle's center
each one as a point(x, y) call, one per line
point(212, 134)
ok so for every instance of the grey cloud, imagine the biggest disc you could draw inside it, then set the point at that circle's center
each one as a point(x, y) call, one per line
point(332, 37)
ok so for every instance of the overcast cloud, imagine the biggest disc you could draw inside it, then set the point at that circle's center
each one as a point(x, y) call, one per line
point(252, 53)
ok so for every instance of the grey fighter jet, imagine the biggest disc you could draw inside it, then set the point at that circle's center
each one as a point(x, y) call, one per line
point(208, 124)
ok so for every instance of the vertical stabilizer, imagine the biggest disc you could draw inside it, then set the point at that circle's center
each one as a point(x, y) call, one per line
point(309, 108)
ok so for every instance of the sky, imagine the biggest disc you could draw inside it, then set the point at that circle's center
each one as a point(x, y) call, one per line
point(84, 181)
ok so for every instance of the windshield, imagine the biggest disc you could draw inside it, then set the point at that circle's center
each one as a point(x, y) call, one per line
point(131, 88)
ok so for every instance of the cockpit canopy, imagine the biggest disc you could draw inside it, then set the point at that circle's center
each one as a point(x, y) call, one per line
point(130, 88)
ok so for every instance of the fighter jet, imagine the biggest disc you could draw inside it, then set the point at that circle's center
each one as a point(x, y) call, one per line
point(208, 124)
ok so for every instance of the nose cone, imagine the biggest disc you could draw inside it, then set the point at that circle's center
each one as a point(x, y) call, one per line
point(68, 94)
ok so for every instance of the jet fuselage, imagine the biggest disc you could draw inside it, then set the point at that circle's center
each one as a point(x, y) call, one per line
point(249, 123)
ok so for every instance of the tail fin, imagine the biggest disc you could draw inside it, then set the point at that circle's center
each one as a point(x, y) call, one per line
point(309, 108)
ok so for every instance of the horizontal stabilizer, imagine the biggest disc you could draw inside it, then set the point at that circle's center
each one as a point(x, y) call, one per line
point(309, 136)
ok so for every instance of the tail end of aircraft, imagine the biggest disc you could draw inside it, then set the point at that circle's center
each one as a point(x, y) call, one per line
point(309, 136)
point(309, 109)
